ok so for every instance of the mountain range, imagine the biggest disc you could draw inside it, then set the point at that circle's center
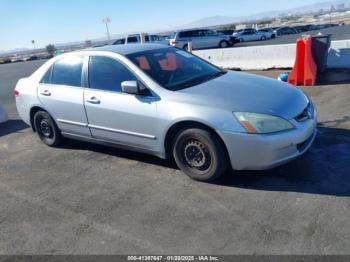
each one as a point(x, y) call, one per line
point(221, 20)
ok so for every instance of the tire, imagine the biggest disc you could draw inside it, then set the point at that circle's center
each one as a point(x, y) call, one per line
point(263, 38)
point(241, 40)
point(273, 36)
point(47, 129)
point(224, 44)
point(185, 47)
point(200, 154)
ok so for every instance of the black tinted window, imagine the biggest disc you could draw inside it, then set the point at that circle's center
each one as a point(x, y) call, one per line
point(107, 74)
point(47, 77)
point(188, 34)
point(132, 39)
point(67, 71)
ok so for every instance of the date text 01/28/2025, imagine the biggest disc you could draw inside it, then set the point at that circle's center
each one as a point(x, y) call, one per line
point(173, 258)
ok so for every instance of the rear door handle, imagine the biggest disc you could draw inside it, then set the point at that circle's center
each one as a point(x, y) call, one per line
point(93, 100)
point(46, 93)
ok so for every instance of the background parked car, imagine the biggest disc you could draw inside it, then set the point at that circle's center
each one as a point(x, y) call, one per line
point(136, 38)
point(247, 35)
point(268, 32)
point(302, 28)
point(285, 31)
point(200, 38)
point(229, 33)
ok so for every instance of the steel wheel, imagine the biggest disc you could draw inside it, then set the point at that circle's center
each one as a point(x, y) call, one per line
point(200, 154)
point(197, 155)
point(46, 129)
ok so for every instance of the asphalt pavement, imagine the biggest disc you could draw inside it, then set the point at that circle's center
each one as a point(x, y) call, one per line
point(88, 199)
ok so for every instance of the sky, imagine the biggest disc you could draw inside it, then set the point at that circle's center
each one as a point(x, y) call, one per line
point(61, 21)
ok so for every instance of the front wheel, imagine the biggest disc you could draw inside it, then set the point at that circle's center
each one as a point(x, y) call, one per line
point(46, 129)
point(200, 154)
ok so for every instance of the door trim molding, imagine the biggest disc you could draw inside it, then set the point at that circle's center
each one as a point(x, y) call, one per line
point(72, 123)
point(122, 132)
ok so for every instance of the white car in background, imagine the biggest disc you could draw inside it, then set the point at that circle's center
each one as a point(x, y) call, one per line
point(268, 32)
point(247, 35)
point(200, 38)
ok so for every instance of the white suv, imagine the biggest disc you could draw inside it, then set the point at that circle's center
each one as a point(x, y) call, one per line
point(136, 38)
point(200, 38)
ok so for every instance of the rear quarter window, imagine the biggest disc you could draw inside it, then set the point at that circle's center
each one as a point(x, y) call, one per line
point(188, 34)
point(47, 77)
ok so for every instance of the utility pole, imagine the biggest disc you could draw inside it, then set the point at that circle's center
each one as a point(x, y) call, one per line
point(106, 21)
point(33, 43)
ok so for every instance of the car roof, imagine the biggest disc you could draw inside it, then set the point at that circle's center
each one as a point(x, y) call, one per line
point(128, 49)
point(193, 29)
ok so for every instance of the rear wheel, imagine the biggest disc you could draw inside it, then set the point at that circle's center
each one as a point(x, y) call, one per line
point(200, 154)
point(224, 44)
point(263, 38)
point(46, 129)
point(185, 47)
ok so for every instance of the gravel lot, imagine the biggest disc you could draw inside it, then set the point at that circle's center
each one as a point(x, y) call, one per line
point(88, 199)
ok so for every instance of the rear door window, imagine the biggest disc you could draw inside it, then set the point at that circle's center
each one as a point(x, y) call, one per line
point(68, 71)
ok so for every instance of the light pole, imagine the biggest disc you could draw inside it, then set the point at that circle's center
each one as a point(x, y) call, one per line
point(106, 21)
point(33, 43)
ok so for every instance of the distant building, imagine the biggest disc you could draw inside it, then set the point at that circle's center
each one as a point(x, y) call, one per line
point(241, 26)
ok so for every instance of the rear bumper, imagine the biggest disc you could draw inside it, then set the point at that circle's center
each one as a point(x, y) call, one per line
point(233, 40)
point(260, 152)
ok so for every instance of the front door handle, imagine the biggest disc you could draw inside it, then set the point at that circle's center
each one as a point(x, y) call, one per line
point(46, 93)
point(93, 100)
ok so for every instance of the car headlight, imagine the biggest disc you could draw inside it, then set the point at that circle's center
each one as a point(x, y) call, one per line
point(256, 123)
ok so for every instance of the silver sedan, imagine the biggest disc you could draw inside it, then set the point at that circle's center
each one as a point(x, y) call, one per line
point(169, 103)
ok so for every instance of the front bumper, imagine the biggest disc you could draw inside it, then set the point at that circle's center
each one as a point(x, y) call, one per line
point(266, 151)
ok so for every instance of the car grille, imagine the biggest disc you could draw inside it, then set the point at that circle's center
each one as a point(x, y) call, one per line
point(306, 114)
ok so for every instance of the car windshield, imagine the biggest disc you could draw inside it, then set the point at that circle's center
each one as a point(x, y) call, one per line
point(175, 69)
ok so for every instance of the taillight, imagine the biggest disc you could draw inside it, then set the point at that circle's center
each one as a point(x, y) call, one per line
point(173, 42)
point(16, 93)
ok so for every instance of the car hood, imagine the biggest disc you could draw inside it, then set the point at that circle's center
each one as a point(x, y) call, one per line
point(243, 92)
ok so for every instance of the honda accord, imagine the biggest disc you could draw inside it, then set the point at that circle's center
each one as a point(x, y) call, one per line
point(167, 102)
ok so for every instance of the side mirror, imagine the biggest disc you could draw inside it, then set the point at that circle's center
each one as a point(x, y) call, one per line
point(135, 88)
point(131, 87)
